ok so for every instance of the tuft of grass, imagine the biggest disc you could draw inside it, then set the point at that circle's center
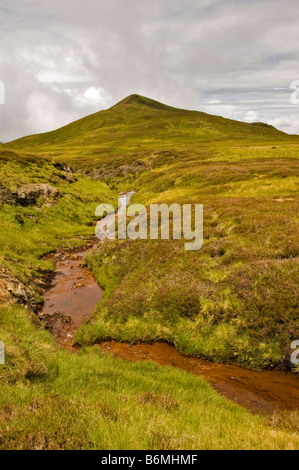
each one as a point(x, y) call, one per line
point(28, 348)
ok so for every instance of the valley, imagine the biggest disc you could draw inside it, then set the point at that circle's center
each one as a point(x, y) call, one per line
point(229, 310)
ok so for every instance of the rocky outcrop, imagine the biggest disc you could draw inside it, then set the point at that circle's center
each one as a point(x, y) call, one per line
point(121, 171)
point(65, 173)
point(29, 194)
point(13, 290)
point(63, 167)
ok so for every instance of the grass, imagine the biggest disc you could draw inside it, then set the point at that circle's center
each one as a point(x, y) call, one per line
point(91, 400)
point(28, 347)
point(29, 232)
point(243, 281)
point(136, 128)
point(235, 300)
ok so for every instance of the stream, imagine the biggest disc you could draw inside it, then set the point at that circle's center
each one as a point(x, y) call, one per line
point(72, 297)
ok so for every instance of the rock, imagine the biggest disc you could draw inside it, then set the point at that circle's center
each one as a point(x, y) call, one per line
point(121, 171)
point(69, 177)
point(12, 289)
point(29, 194)
point(63, 167)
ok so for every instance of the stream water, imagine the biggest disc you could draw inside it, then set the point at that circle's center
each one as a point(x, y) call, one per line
point(72, 297)
point(74, 292)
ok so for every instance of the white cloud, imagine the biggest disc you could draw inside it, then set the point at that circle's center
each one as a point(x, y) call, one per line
point(96, 97)
point(288, 124)
point(43, 113)
point(239, 113)
point(59, 77)
point(251, 116)
point(226, 110)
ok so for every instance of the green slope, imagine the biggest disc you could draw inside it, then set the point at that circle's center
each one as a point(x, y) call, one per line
point(236, 300)
point(241, 287)
point(136, 126)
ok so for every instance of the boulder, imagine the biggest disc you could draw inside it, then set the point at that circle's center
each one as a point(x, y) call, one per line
point(29, 194)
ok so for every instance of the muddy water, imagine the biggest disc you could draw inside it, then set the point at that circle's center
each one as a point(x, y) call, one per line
point(74, 292)
point(260, 392)
point(72, 298)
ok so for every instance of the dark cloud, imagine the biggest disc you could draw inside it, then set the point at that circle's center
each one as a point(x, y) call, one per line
point(61, 60)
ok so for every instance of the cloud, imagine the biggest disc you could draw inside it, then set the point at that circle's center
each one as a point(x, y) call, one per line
point(289, 124)
point(71, 58)
point(42, 113)
point(59, 77)
point(226, 110)
point(239, 113)
point(251, 116)
point(2, 93)
point(92, 96)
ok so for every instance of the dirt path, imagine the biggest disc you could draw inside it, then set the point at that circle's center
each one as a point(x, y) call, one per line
point(72, 298)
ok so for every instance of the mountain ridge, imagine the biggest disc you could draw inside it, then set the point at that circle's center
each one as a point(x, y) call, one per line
point(135, 128)
point(135, 101)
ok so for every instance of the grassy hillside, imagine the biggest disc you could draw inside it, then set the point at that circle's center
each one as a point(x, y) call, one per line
point(235, 300)
point(36, 224)
point(242, 284)
point(137, 128)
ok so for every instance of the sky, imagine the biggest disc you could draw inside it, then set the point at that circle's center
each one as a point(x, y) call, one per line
point(61, 60)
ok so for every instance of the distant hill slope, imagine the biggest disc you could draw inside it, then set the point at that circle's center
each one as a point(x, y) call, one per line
point(137, 125)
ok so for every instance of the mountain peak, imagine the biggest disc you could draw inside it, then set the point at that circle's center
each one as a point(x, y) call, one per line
point(131, 99)
point(138, 100)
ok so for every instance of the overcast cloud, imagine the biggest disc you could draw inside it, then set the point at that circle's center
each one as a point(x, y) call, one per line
point(63, 59)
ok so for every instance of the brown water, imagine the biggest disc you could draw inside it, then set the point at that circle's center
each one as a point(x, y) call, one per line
point(260, 392)
point(72, 298)
point(74, 292)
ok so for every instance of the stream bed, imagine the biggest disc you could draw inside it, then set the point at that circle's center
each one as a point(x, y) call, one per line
point(72, 297)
